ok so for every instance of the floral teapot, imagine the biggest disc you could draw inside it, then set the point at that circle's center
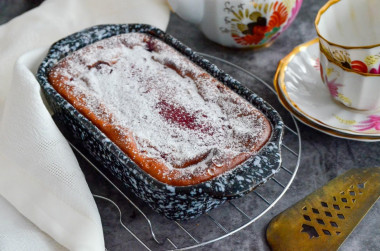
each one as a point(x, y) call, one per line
point(239, 23)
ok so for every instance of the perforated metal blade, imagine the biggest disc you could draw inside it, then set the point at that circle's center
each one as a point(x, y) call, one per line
point(325, 218)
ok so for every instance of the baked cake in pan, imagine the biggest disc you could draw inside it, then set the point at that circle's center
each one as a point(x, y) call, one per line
point(177, 131)
point(173, 119)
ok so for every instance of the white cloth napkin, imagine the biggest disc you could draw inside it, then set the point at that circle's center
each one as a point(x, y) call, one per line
point(45, 202)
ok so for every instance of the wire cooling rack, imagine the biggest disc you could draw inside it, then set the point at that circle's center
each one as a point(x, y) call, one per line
point(150, 231)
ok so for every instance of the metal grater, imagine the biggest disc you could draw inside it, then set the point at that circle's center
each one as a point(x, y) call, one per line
point(325, 218)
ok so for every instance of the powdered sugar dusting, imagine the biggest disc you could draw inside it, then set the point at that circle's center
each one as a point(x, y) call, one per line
point(177, 112)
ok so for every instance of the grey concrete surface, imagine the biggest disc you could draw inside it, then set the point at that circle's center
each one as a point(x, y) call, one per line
point(323, 157)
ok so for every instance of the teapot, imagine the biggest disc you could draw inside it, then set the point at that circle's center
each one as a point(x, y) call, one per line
point(239, 23)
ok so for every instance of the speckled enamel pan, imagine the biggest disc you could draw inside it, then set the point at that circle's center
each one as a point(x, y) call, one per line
point(175, 202)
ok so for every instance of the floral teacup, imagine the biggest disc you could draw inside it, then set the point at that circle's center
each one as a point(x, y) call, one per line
point(349, 40)
point(239, 23)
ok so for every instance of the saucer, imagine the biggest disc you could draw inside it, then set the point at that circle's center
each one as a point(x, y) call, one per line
point(320, 128)
point(302, 92)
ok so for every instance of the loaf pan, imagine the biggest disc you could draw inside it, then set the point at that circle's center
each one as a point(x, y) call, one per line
point(174, 202)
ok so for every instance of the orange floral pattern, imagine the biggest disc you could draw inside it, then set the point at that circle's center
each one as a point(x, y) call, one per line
point(260, 24)
point(279, 16)
point(343, 58)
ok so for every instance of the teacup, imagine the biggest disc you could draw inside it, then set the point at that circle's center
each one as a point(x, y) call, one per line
point(239, 23)
point(349, 39)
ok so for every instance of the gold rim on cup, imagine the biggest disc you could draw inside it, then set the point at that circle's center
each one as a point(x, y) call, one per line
point(332, 60)
point(316, 23)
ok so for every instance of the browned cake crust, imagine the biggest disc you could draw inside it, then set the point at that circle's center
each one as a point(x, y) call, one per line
point(173, 119)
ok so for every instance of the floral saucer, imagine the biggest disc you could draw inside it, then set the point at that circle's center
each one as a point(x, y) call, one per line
point(302, 92)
